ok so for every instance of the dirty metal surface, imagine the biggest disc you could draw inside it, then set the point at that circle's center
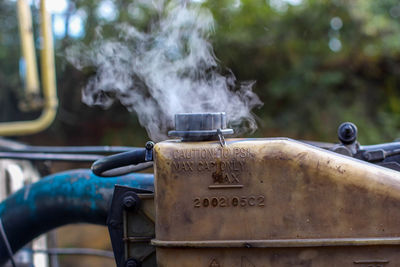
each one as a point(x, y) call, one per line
point(371, 256)
point(138, 234)
point(279, 195)
point(131, 227)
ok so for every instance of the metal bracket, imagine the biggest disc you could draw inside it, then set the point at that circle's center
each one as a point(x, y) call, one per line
point(125, 210)
point(149, 151)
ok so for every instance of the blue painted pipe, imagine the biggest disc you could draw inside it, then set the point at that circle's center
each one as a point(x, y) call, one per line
point(76, 196)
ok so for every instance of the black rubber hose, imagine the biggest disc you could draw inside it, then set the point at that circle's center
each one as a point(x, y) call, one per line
point(70, 197)
point(105, 164)
point(127, 169)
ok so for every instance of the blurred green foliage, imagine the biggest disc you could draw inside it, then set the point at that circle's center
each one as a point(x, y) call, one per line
point(315, 63)
point(307, 88)
point(9, 51)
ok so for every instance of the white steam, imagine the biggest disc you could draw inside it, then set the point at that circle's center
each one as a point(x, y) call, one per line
point(169, 69)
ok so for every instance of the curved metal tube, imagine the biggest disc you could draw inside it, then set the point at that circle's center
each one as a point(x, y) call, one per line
point(28, 49)
point(49, 85)
point(76, 196)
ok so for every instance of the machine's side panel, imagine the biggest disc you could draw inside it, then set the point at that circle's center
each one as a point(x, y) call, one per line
point(258, 193)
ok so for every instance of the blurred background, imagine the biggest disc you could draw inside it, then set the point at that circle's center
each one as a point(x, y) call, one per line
point(315, 63)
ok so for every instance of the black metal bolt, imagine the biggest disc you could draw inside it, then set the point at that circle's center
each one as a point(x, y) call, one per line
point(129, 203)
point(132, 263)
point(347, 133)
point(149, 145)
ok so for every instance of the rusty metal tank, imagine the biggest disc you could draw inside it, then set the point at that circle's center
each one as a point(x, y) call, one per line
point(272, 202)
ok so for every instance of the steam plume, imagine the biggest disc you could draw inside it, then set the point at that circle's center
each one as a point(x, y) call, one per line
point(169, 69)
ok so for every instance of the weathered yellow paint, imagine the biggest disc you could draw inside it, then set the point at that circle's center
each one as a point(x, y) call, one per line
point(272, 202)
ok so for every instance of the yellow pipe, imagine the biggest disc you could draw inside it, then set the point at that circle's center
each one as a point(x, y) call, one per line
point(49, 85)
point(28, 48)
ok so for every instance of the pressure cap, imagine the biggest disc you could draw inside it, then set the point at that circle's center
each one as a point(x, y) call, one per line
point(200, 126)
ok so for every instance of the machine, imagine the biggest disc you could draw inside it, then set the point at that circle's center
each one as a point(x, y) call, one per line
point(257, 202)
